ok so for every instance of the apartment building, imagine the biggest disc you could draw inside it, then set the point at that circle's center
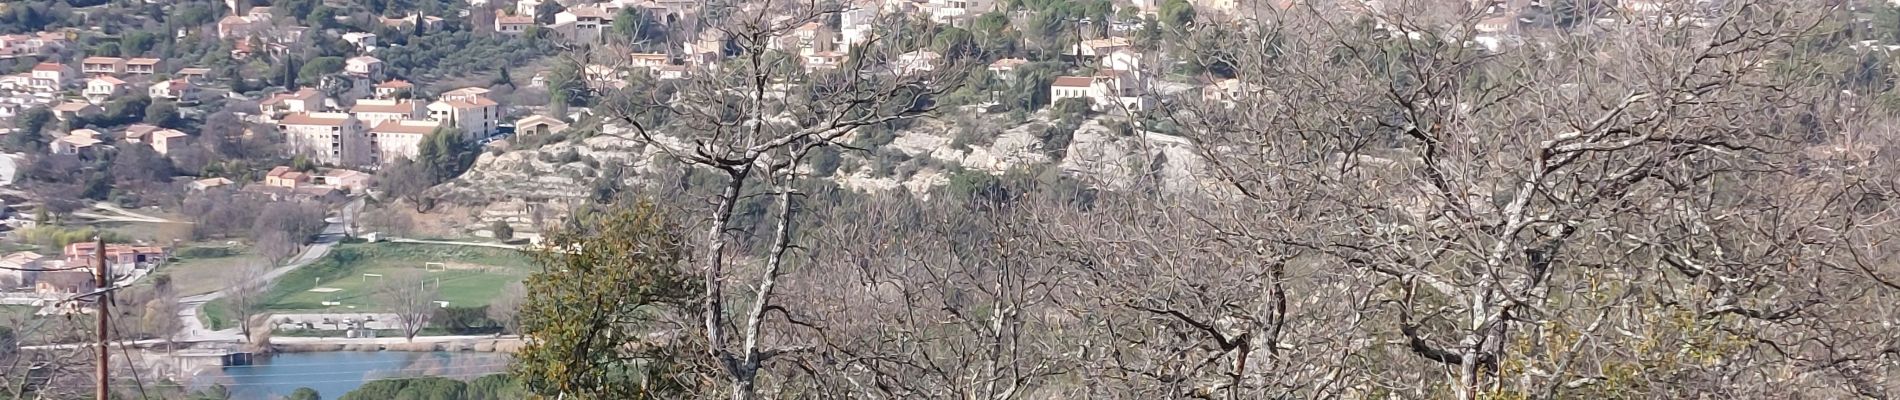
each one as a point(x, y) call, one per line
point(374, 111)
point(327, 137)
point(399, 139)
point(474, 116)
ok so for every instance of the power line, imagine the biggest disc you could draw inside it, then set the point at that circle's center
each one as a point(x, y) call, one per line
point(128, 359)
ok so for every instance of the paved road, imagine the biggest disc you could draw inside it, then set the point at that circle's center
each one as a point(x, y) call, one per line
point(194, 329)
point(129, 213)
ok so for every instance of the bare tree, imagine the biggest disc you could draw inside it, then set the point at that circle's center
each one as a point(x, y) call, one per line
point(411, 296)
point(1475, 222)
point(160, 317)
point(276, 246)
point(244, 294)
point(391, 220)
point(1381, 202)
point(752, 121)
point(505, 307)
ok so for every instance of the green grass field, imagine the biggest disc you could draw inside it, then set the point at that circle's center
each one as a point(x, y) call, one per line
point(205, 269)
point(473, 276)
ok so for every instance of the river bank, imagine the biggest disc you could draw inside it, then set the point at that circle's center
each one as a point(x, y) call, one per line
point(420, 344)
point(333, 373)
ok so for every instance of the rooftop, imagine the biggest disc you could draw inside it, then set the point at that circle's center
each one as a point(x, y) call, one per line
point(405, 127)
point(399, 106)
point(469, 103)
point(80, 140)
point(589, 12)
point(1073, 81)
point(72, 106)
point(140, 130)
point(309, 119)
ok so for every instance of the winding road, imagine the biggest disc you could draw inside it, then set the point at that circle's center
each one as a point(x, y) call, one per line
point(194, 329)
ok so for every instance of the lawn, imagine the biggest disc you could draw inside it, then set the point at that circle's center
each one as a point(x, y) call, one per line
point(15, 315)
point(471, 276)
point(205, 269)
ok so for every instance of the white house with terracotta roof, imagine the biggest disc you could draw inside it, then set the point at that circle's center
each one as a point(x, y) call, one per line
point(241, 26)
point(1006, 68)
point(345, 179)
point(142, 66)
point(673, 71)
point(81, 141)
point(51, 76)
point(823, 60)
point(812, 37)
point(19, 81)
point(363, 40)
point(390, 88)
point(583, 23)
point(364, 67)
point(29, 44)
point(948, 11)
point(19, 269)
point(1106, 91)
point(138, 133)
point(399, 139)
point(100, 89)
point(375, 111)
point(283, 176)
point(331, 138)
point(176, 89)
point(66, 111)
point(646, 60)
point(916, 62)
point(1099, 47)
point(97, 66)
point(539, 125)
point(513, 24)
point(164, 141)
point(302, 100)
point(194, 73)
point(208, 184)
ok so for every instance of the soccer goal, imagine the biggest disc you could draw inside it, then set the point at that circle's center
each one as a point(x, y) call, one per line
point(435, 266)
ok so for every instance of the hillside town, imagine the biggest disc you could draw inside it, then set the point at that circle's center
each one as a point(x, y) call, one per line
point(236, 178)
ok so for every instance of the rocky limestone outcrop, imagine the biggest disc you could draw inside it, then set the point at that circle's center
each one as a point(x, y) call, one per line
point(1099, 155)
point(510, 184)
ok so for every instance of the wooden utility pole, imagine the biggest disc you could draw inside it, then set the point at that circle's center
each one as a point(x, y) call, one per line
point(101, 279)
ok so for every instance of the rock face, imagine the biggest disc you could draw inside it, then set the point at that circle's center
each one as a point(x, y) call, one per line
point(547, 173)
point(1114, 161)
point(1011, 148)
point(519, 185)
